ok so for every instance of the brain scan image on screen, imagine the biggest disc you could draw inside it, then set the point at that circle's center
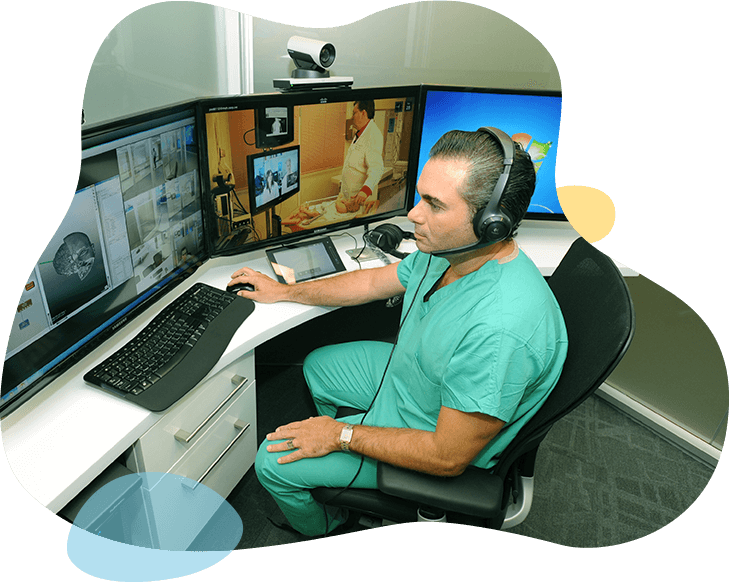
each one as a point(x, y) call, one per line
point(75, 256)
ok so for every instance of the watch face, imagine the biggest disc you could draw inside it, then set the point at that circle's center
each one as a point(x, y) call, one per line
point(345, 437)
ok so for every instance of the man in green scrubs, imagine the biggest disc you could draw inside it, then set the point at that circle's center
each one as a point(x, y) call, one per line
point(481, 344)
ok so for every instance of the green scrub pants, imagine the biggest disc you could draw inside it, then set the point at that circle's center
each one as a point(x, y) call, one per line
point(341, 375)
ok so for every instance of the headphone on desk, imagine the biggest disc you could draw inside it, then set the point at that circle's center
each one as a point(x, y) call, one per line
point(492, 223)
point(388, 237)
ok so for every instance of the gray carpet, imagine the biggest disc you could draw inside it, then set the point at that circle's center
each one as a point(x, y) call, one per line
point(601, 478)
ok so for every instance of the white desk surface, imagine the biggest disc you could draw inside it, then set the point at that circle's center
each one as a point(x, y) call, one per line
point(65, 436)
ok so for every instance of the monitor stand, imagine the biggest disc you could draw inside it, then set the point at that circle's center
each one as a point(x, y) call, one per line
point(273, 224)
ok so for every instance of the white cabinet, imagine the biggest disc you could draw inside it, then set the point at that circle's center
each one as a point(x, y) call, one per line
point(209, 435)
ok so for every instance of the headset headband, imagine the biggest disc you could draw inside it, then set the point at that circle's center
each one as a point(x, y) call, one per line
point(507, 146)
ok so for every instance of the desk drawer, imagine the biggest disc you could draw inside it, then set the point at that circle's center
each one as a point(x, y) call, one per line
point(226, 451)
point(183, 425)
point(218, 460)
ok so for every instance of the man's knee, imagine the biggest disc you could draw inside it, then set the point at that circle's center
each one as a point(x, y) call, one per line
point(269, 471)
point(315, 362)
point(310, 362)
point(317, 371)
point(267, 465)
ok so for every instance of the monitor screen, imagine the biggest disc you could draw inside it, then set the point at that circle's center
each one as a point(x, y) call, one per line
point(273, 177)
point(133, 228)
point(349, 164)
point(532, 119)
point(274, 126)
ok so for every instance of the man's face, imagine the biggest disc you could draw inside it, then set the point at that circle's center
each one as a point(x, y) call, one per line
point(442, 219)
point(359, 117)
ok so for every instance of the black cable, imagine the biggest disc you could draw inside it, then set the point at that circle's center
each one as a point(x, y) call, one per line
point(382, 381)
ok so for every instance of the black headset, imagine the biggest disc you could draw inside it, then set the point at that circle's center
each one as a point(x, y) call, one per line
point(492, 223)
point(388, 237)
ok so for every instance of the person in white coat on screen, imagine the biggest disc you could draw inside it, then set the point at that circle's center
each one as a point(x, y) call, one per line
point(363, 165)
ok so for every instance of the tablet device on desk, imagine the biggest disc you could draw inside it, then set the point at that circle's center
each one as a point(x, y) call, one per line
point(303, 261)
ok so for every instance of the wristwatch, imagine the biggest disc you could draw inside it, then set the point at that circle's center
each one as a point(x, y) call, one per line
point(345, 437)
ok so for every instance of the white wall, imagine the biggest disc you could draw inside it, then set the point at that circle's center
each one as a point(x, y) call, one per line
point(423, 42)
point(162, 54)
point(174, 51)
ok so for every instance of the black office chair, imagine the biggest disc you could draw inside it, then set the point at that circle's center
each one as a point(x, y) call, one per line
point(600, 321)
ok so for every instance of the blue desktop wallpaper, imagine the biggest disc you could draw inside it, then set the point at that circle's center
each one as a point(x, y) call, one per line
point(535, 117)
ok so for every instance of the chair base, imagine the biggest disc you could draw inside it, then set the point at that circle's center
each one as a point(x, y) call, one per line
point(517, 511)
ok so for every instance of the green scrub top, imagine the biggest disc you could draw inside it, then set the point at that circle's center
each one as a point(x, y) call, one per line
point(492, 342)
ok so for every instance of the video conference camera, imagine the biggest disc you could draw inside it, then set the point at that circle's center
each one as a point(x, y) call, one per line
point(312, 59)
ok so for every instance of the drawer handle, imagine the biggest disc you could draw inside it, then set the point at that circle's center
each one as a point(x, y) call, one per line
point(184, 437)
point(238, 425)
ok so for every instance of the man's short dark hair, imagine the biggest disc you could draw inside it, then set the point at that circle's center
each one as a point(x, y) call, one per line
point(368, 106)
point(483, 153)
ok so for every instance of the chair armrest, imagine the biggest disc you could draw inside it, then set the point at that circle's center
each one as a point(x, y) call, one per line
point(476, 492)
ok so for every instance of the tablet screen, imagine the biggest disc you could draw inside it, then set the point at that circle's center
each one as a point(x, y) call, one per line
point(304, 261)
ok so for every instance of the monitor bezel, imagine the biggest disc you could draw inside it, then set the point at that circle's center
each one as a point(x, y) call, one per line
point(425, 88)
point(307, 97)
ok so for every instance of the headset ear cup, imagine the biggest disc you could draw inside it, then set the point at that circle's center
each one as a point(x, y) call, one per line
point(479, 228)
point(494, 224)
point(497, 230)
point(492, 227)
point(387, 237)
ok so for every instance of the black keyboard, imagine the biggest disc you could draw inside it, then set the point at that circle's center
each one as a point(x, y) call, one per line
point(176, 350)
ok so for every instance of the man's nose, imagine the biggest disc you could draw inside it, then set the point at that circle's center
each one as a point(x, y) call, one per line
point(414, 214)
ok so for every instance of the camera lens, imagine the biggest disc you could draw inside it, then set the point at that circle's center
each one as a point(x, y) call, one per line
point(326, 55)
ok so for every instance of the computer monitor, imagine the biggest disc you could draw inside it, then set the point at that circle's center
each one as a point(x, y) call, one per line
point(273, 177)
point(529, 117)
point(274, 126)
point(134, 228)
point(331, 163)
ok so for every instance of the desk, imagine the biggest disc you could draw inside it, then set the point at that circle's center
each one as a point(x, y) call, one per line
point(64, 437)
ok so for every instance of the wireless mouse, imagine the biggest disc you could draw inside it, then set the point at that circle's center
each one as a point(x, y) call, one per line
point(236, 287)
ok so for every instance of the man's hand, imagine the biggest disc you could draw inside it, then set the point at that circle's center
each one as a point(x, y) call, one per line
point(371, 206)
point(313, 437)
point(361, 198)
point(267, 291)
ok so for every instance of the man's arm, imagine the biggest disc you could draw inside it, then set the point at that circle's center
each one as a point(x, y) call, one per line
point(348, 289)
point(375, 165)
point(447, 451)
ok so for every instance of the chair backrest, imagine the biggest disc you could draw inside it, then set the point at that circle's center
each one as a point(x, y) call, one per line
point(600, 320)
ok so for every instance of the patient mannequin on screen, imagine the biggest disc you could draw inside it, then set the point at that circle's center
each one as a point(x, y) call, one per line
point(302, 217)
point(307, 213)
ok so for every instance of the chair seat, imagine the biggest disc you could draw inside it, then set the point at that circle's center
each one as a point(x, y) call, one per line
point(368, 501)
point(476, 492)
